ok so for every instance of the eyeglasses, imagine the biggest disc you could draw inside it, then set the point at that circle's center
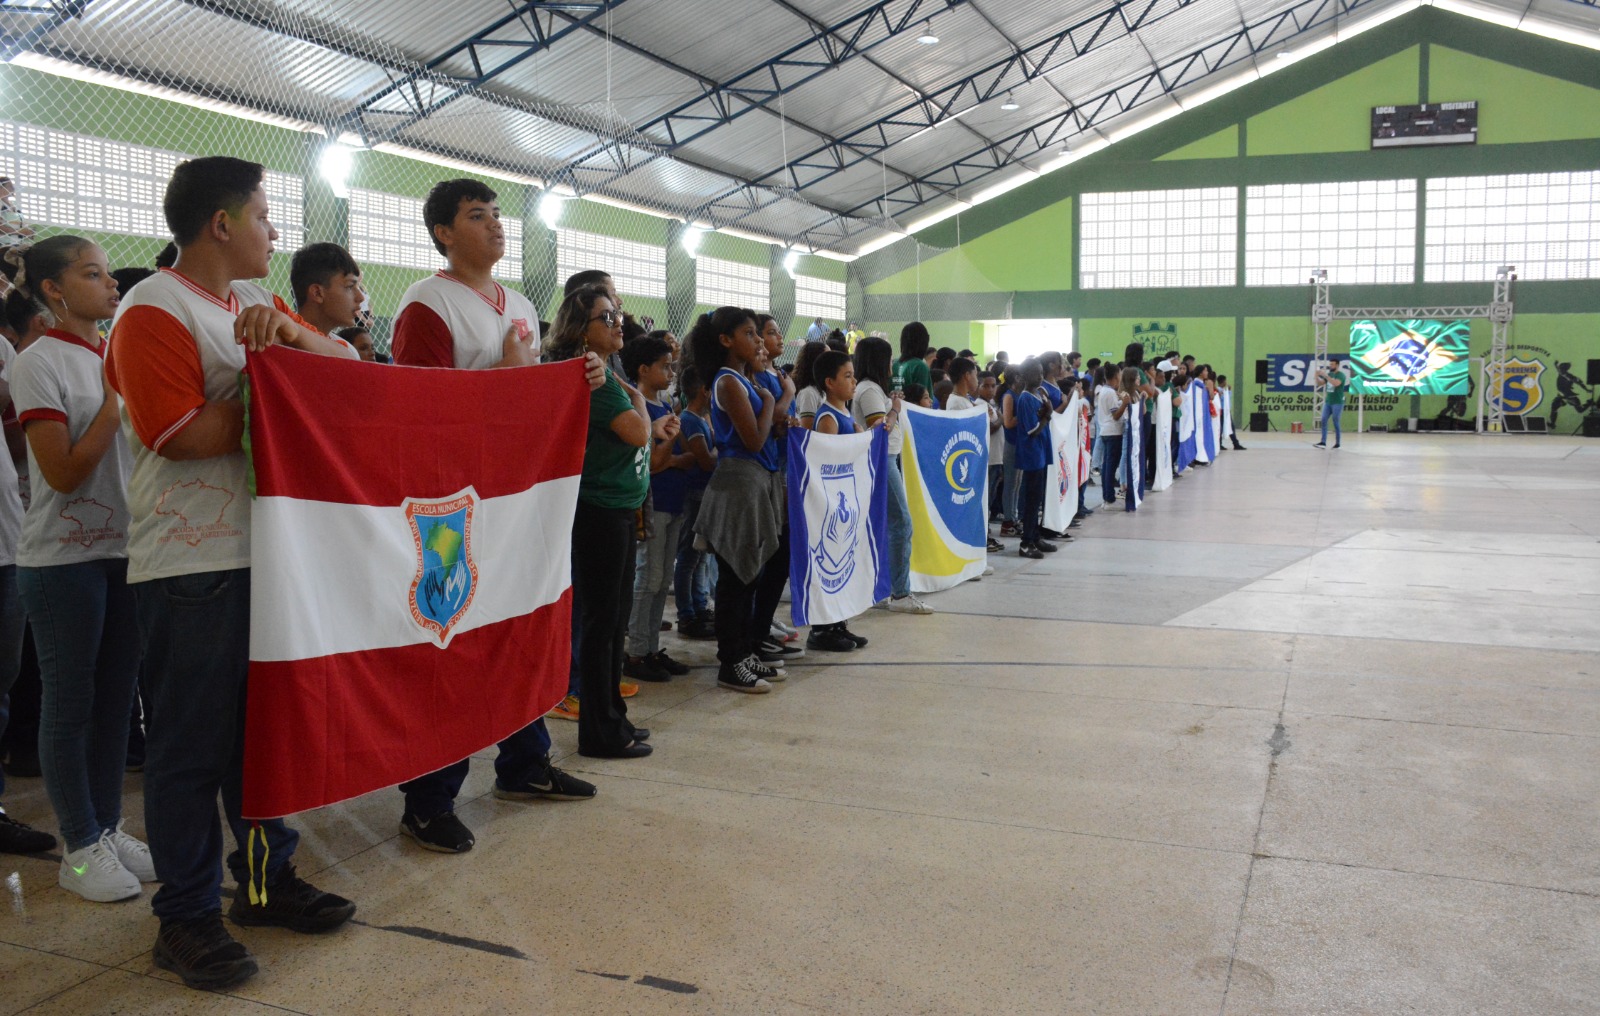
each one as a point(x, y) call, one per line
point(612, 318)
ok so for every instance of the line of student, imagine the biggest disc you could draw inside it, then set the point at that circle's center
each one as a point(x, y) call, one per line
point(134, 555)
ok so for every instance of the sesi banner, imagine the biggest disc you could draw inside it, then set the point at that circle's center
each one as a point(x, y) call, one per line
point(411, 583)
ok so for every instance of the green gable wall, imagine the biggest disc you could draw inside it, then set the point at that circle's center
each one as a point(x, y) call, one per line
point(1338, 116)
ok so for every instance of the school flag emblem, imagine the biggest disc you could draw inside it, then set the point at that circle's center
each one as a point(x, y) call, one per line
point(838, 524)
point(447, 576)
point(946, 462)
point(411, 583)
point(1061, 478)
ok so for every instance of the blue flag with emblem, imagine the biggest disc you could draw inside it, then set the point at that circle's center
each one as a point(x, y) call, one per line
point(946, 461)
point(838, 524)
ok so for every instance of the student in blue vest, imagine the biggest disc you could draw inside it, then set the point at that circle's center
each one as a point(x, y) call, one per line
point(1033, 412)
point(741, 512)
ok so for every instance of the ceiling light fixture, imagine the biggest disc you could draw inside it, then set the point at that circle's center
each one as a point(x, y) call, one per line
point(927, 38)
point(1010, 103)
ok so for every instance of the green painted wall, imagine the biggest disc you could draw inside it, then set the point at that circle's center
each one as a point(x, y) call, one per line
point(1032, 253)
point(1308, 122)
point(1338, 116)
point(1515, 106)
point(1224, 144)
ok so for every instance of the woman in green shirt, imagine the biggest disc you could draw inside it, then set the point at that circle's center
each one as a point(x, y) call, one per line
point(615, 481)
point(912, 367)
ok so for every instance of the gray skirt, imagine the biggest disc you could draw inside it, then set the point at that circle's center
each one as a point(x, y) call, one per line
point(741, 515)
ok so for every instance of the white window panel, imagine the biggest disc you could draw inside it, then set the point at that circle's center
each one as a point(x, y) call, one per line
point(1362, 231)
point(1159, 239)
point(76, 181)
point(818, 298)
point(387, 229)
point(722, 283)
point(636, 269)
point(1539, 222)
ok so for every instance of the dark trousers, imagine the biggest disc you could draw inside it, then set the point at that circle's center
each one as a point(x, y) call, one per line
point(1032, 503)
point(769, 590)
point(1149, 448)
point(196, 633)
point(737, 603)
point(11, 629)
point(434, 794)
point(604, 548)
point(1112, 447)
point(688, 560)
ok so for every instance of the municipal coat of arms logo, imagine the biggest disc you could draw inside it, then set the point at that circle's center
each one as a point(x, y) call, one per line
point(447, 576)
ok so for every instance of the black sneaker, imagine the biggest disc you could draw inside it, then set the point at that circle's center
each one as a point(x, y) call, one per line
point(644, 668)
point(830, 640)
point(770, 650)
point(1048, 548)
point(547, 782)
point(1319, 444)
point(20, 838)
point(292, 902)
point(766, 671)
point(995, 546)
point(739, 677)
point(443, 833)
point(1029, 550)
point(859, 640)
point(201, 951)
point(668, 664)
point(701, 629)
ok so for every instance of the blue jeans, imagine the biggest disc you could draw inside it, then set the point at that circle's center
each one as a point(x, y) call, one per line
point(11, 624)
point(196, 631)
point(691, 586)
point(1112, 444)
point(654, 564)
point(87, 635)
point(1331, 411)
point(899, 531)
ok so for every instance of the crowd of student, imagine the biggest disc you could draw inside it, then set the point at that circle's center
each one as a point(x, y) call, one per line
point(130, 564)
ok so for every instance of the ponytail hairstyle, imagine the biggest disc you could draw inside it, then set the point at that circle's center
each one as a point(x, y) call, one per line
point(28, 267)
point(704, 341)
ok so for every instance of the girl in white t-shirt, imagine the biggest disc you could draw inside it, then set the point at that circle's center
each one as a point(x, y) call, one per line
point(873, 405)
point(73, 566)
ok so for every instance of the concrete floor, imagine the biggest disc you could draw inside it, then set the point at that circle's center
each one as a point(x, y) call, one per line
point(1313, 732)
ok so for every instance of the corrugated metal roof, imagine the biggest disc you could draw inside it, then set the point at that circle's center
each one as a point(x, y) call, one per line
point(321, 62)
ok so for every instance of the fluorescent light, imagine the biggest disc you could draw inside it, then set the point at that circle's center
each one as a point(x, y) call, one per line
point(475, 168)
point(948, 212)
point(880, 243)
point(690, 241)
point(1011, 183)
point(927, 38)
point(334, 164)
point(791, 261)
point(550, 208)
point(1010, 103)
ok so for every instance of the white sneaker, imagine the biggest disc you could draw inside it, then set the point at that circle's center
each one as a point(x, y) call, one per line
point(909, 604)
point(95, 873)
point(133, 854)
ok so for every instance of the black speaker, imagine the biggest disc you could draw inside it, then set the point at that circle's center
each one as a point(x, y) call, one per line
point(1258, 421)
point(1535, 425)
point(1594, 372)
point(1261, 373)
point(1424, 425)
point(1591, 426)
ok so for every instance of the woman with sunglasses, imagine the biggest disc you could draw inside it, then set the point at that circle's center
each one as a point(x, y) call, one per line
point(615, 481)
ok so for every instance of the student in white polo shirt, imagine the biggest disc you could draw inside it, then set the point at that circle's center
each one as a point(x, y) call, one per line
point(176, 350)
point(73, 567)
point(461, 317)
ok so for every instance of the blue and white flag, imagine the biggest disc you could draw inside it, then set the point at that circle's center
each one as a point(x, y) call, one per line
point(838, 524)
point(1198, 405)
point(1186, 432)
point(1133, 453)
point(946, 461)
point(1163, 477)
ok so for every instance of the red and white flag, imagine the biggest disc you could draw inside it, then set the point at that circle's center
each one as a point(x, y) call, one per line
point(411, 590)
